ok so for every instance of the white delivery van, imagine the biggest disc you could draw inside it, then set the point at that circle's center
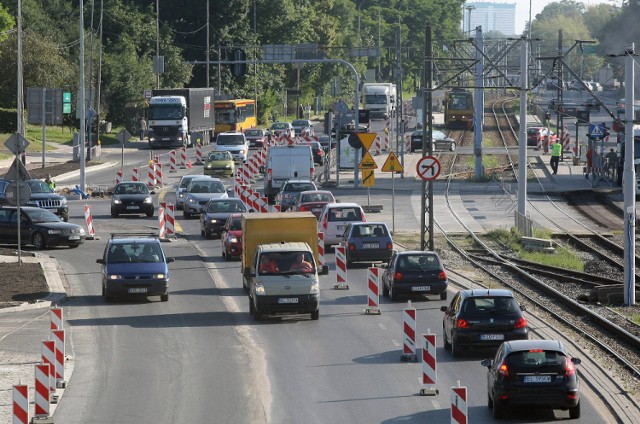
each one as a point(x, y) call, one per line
point(286, 163)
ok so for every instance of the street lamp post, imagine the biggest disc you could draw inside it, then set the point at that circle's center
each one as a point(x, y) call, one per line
point(469, 8)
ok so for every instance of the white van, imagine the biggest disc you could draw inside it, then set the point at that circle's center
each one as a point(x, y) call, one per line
point(286, 163)
point(334, 219)
point(234, 143)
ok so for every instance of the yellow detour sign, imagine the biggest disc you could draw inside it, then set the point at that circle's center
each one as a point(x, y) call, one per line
point(367, 162)
point(368, 180)
point(366, 139)
point(392, 164)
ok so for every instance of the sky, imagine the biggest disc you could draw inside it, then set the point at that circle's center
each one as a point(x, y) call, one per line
point(522, 8)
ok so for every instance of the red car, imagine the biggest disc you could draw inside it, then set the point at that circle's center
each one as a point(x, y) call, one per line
point(536, 135)
point(231, 237)
point(257, 137)
point(312, 201)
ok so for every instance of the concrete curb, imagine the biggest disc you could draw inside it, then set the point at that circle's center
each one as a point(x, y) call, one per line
point(88, 169)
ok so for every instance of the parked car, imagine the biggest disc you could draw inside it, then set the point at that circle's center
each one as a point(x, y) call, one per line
point(199, 192)
point(302, 127)
point(318, 152)
point(215, 214)
point(134, 264)
point(440, 141)
point(536, 135)
point(334, 217)
point(482, 318)
point(42, 196)
point(131, 197)
point(312, 201)
point(234, 143)
point(219, 163)
point(181, 189)
point(281, 129)
point(326, 142)
point(231, 237)
point(257, 137)
point(367, 241)
point(38, 227)
point(286, 197)
point(533, 374)
point(414, 273)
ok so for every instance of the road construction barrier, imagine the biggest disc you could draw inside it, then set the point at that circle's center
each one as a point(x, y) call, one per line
point(172, 161)
point(151, 174)
point(377, 149)
point(321, 261)
point(161, 222)
point(373, 291)
point(183, 157)
point(118, 176)
point(170, 217)
point(409, 333)
point(459, 405)
point(49, 358)
point(566, 140)
point(158, 167)
point(429, 375)
point(134, 174)
point(56, 318)
point(407, 143)
point(264, 205)
point(42, 391)
point(341, 268)
point(58, 338)
point(199, 157)
point(91, 232)
point(20, 402)
point(387, 136)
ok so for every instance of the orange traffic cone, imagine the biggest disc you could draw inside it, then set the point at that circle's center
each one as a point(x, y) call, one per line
point(189, 165)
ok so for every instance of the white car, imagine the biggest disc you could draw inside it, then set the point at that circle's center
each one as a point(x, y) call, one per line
point(181, 188)
point(334, 218)
point(235, 143)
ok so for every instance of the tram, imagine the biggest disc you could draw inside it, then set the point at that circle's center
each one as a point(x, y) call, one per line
point(458, 108)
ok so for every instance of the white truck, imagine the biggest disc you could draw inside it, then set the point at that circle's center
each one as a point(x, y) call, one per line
point(379, 99)
point(286, 163)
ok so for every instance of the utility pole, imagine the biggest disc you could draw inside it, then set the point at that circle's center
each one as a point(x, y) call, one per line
point(629, 183)
point(82, 138)
point(478, 98)
point(208, 80)
point(522, 134)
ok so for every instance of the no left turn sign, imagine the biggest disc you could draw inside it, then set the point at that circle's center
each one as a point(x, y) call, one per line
point(428, 168)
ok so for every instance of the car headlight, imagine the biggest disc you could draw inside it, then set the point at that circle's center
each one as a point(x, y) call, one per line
point(227, 166)
point(209, 166)
point(54, 231)
point(158, 276)
point(148, 200)
point(214, 221)
point(233, 239)
point(114, 277)
point(260, 289)
point(191, 200)
point(242, 152)
point(63, 201)
point(116, 201)
point(181, 194)
point(82, 232)
point(315, 288)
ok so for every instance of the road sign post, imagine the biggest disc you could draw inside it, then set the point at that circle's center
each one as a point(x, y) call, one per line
point(392, 165)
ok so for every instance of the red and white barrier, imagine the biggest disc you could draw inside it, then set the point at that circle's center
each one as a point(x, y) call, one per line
point(159, 182)
point(407, 143)
point(566, 140)
point(58, 338)
point(387, 136)
point(91, 232)
point(459, 411)
point(183, 157)
point(134, 174)
point(341, 268)
point(42, 391)
point(170, 217)
point(199, 157)
point(151, 175)
point(429, 375)
point(20, 401)
point(49, 358)
point(161, 223)
point(373, 291)
point(56, 318)
point(118, 176)
point(264, 205)
point(172, 161)
point(321, 261)
point(409, 333)
point(377, 148)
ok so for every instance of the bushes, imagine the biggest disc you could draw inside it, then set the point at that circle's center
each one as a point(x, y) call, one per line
point(8, 120)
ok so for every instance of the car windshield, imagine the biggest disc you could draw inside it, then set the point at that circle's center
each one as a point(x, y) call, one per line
point(298, 187)
point(438, 135)
point(536, 358)
point(419, 262)
point(38, 186)
point(279, 126)
point(219, 156)
point(253, 133)
point(226, 206)
point(316, 197)
point(236, 224)
point(199, 186)
point(230, 139)
point(135, 252)
point(185, 181)
point(131, 189)
point(490, 305)
point(300, 123)
point(42, 215)
point(345, 214)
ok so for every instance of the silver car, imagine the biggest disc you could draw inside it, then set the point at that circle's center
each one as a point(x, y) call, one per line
point(199, 192)
point(181, 188)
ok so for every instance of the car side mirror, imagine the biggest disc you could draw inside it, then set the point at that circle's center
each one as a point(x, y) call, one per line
point(252, 210)
point(486, 363)
point(100, 261)
point(152, 192)
point(576, 361)
point(444, 308)
point(169, 260)
point(383, 266)
point(523, 307)
point(324, 270)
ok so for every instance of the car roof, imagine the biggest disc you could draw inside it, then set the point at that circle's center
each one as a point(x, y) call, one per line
point(363, 223)
point(286, 247)
point(343, 205)
point(417, 252)
point(205, 177)
point(231, 133)
point(487, 292)
point(225, 199)
point(316, 191)
point(194, 176)
point(522, 345)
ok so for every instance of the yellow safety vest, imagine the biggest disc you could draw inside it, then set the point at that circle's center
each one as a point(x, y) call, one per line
point(556, 149)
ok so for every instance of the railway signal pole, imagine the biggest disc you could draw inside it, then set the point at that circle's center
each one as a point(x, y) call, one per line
point(629, 184)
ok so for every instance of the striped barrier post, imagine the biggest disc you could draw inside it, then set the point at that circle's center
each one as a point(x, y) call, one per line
point(373, 291)
point(134, 174)
point(376, 146)
point(264, 205)
point(118, 176)
point(170, 217)
point(91, 232)
point(409, 333)
point(48, 357)
point(429, 375)
point(151, 175)
point(341, 268)
point(407, 142)
point(276, 208)
point(459, 405)
point(20, 401)
point(56, 318)
point(172, 161)
point(387, 137)
point(42, 391)
point(566, 140)
point(539, 145)
point(321, 260)
point(183, 157)
point(58, 338)
point(161, 223)
point(199, 157)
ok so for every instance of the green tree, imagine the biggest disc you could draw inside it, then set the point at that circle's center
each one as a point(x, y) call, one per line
point(6, 22)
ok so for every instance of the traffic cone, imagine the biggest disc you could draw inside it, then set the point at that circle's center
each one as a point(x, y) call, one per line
point(189, 165)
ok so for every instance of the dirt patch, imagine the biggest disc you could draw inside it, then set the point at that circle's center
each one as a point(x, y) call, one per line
point(36, 170)
point(21, 283)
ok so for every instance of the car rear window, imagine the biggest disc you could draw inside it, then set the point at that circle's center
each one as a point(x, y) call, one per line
point(536, 358)
point(490, 305)
point(298, 187)
point(370, 230)
point(419, 262)
point(253, 132)
point(345, 214)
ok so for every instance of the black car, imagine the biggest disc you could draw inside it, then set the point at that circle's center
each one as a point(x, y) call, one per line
point(318, 152)
point(482, 318)
point(326, 142)
point(414, 272)
point(42, 196)
point(38, 227)
point(367, 241)
point(440, 141)
point(532, 374)
point(215, 214)
point(131, 197)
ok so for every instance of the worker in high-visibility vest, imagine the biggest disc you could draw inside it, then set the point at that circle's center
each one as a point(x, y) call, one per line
point(556, 153)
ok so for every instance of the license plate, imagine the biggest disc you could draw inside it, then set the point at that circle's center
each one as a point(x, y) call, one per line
point(166, 139)
point(537, 379)
point(492, 337)
point(370, 245)
point(420, 288)
point(133, 207)
point(340, 227)
point(315, 210)
point(138, 290)
point(288, 300)
point(74, 237)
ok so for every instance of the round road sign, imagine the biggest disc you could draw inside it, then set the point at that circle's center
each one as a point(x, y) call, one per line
point(428, 168)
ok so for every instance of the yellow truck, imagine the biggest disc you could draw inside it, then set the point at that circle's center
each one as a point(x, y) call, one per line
point(280, 263)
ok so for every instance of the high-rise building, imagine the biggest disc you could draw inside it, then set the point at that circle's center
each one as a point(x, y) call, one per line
point(490, 16)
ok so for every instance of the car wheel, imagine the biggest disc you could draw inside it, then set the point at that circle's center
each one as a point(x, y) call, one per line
point(455, 349)
point(65, 218)
point(164, 297)
point(257, 316)
point(447, 345)
point(227, 256)
point(38, 241)
point(392, 293)
point(315, 315)
point(244, 286)
point(498, 411)
point(575, 411)
point(203, 233)
point(385, 290)
point(489, 401)
point(443, 295)
point(224, 255)
point(186, 214)
point(150, 214)
point(114, 214)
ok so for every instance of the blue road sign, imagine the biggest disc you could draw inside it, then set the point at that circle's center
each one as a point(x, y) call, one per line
point(596, 130)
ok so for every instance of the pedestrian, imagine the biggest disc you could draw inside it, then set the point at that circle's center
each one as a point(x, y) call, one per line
point(612, 161)
point(589, 162)
point(143, 127)
point(556, 152)
point(48, 181)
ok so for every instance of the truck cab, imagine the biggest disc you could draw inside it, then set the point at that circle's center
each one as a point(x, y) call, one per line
point(168, 122)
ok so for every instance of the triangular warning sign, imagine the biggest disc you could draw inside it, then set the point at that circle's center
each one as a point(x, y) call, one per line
point(17, 174)
point(596, 131)
point(392, 164)
point(366, 139)
point(367, 162)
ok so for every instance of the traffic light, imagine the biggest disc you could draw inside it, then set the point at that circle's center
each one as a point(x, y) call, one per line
point(239, 69)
